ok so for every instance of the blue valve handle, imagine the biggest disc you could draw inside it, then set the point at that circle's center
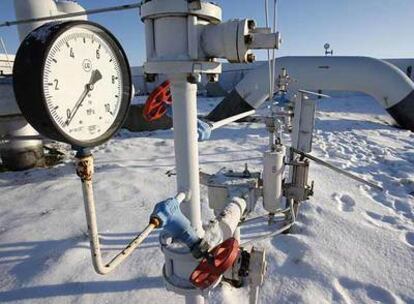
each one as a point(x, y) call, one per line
point(203, 128)
point(173, 222)
point(281, 99)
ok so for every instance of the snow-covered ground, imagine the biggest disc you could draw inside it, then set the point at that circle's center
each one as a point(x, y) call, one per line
point(352, 244)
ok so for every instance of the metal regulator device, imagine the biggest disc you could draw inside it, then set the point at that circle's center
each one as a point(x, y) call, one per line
point(72, 82)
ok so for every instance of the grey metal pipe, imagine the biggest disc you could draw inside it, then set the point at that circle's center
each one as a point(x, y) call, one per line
point(378, 78)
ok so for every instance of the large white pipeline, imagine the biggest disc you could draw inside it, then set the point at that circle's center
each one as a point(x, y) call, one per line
point(20, 154)
point(382, 80)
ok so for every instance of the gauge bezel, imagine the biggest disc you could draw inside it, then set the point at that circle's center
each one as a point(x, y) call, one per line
point(28, 80)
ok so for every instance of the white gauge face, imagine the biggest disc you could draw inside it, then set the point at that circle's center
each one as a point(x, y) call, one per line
point(82, 84)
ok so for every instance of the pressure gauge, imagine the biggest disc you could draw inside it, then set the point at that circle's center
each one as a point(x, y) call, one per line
point(72, 82)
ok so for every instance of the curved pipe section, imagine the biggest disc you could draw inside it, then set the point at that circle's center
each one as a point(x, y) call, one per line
point(382, 80)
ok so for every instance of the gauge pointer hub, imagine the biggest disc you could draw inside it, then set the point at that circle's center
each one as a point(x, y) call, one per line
point(95, 77)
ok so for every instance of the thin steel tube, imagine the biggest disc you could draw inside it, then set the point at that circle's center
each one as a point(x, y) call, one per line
point(85, 171)
point(224, 122)
point(277, 232)
point(338, 170)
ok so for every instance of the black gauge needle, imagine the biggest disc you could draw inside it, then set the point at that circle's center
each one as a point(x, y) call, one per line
point(95, 77)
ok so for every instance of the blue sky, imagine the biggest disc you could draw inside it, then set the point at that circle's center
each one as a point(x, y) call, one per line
point(377, 28)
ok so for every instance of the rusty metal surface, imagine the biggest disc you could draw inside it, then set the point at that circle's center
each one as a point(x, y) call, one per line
point(85, 168)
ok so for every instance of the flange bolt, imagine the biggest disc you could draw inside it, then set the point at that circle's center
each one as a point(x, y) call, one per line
point(251, 58)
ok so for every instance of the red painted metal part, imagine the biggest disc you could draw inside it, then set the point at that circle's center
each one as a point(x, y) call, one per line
point(210, 269)
point(157, 102)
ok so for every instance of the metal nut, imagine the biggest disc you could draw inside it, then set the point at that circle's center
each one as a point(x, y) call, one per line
point(248, 39)
point(251, 24)
point(251, 58)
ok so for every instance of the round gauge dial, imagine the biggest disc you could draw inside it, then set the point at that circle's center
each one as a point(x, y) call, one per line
point(72, 82)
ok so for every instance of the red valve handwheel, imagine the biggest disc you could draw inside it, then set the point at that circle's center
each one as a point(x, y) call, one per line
point(157, 102)
point(210, 269)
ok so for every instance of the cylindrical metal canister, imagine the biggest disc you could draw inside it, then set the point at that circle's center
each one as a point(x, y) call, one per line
point(273, 172)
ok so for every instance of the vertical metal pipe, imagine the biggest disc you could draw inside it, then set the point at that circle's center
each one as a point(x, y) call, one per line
point(186, 154)
point(24, 154)
point(149, 38)
point(26, 9)
point(254, 295)
point(186, 147)
point(192, 37)
point(194, 300)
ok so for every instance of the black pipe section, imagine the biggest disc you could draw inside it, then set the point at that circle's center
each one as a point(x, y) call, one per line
point(230, 106)
point(403, 112)
point(233, 104)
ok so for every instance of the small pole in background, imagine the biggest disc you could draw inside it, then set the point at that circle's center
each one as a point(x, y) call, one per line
point(328, 50)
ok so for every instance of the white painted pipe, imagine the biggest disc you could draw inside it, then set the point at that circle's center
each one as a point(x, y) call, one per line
point(184, 95)
point(382, 80)
point(17, 154)
point(70, 7)
point(85, 170)
point(26, 154)
point(8, 104)
point(254, 294)
point(22, 153)
point(224, 122)
point(230, 217)
point(27, 9)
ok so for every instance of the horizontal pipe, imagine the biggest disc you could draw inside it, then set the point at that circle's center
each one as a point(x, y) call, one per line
point(380, 79)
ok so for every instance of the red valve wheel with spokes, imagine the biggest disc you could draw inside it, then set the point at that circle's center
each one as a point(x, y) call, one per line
point(158, 101)
point(210, 269)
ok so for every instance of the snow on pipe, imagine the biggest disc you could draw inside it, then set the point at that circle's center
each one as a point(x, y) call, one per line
point(382, 80)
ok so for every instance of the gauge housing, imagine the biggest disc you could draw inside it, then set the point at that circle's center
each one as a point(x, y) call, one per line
point(28, 80)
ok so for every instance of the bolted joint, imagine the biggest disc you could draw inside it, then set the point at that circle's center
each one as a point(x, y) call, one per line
point(155, 221)
point(250, 58)
point(213, 77)
point(194, 78)
point(150, 77)
point(248, 39)
point(251, 25)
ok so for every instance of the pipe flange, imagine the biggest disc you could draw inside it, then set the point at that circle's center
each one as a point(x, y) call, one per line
point(161, 8)
point(178, 258)
point(181, 287)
